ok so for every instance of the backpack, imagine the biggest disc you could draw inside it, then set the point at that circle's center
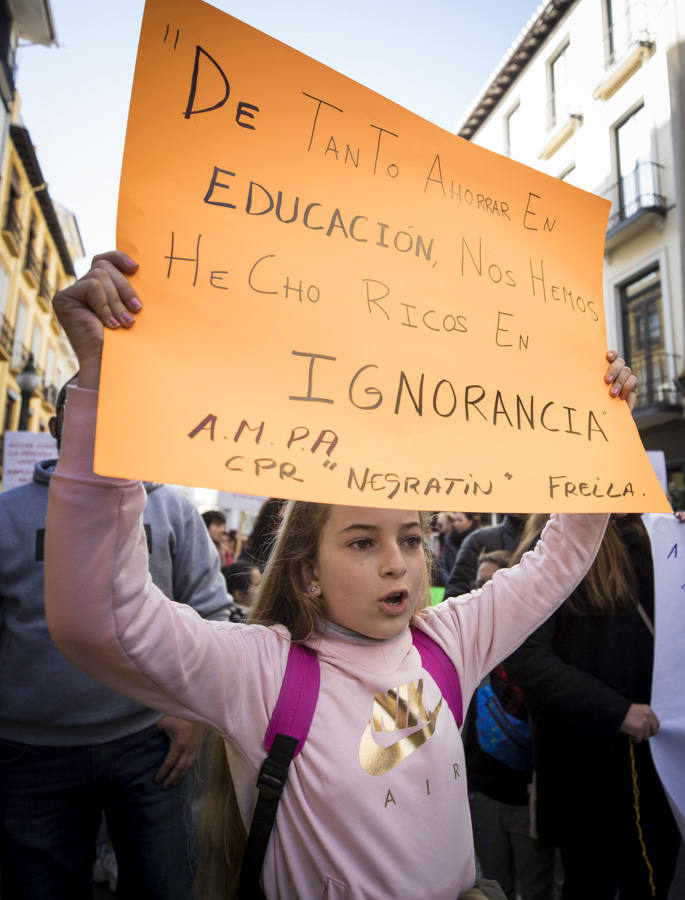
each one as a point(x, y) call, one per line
point(288, 729)
point(502, 735)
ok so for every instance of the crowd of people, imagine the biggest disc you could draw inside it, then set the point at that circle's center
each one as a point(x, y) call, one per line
point(120, 707)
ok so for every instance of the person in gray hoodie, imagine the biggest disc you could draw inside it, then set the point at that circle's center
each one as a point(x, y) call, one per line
point(72, 749)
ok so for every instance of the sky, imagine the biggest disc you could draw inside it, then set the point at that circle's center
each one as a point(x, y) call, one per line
point(432, 57)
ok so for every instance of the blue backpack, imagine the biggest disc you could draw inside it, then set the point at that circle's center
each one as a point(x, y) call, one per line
point(288, 729)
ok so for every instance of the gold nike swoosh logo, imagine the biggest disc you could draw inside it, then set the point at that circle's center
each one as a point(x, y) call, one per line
point(394, 710)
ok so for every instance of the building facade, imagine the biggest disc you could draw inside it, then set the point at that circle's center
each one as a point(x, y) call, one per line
point(30, 20)
point(38, 242)
point(593, 91)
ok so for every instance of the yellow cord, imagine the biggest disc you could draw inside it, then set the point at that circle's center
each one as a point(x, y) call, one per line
point(636, 801)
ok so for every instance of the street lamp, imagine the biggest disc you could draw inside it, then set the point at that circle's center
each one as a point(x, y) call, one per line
point(28, 380)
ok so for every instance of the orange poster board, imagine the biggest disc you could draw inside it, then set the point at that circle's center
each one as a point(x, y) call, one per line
point(343, 302)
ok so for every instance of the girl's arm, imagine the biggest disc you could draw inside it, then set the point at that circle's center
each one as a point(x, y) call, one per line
point(102, 608)
point(482, 628)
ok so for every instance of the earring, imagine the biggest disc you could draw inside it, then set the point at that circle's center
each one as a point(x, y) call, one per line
point(314, 588)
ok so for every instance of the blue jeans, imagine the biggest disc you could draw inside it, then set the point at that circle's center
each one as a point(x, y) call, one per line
point(51, 801)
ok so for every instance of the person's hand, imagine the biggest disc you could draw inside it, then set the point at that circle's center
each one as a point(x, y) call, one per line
point(680, 515)
point(620, 377)
point(640, 722)
point(184, 749)
point(103, 298)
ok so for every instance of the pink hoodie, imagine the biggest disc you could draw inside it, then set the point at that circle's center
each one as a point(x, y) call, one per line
point(376, 803)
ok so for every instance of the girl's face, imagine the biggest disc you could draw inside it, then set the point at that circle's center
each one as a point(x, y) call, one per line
point(370, 568)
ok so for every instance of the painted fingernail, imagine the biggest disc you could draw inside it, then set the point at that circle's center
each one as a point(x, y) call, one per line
point(610, 378)
point(130, 261)
point(128, 318)
point(135, 303)
point(615, 391)
point(113, 322)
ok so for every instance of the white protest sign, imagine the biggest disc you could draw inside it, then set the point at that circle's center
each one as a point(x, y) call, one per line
point(667, 536)
point(658, 461)
point(22, 450)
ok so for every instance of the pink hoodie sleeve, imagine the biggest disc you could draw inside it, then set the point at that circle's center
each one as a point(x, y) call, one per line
point(107, 616)
point(482, 628)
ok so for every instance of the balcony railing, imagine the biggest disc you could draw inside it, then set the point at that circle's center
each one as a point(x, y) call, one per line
point(20, 355)
point(636, 193)
point(563, 119)
point(31, 267)
point(658, 399)
point(628, 45)
point(560, 108)
point(628, 30)
point(6, 338)
point(662, 394)
point(44, 288)
point(11, 229)
point(629, 27)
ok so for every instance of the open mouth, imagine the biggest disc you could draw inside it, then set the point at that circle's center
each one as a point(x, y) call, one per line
point(395, 602)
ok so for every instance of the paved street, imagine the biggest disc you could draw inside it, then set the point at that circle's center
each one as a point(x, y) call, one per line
point(677, 891)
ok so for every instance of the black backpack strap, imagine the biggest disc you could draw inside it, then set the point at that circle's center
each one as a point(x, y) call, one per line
point(270, 783)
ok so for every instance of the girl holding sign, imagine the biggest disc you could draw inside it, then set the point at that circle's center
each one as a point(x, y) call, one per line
point(375, 804)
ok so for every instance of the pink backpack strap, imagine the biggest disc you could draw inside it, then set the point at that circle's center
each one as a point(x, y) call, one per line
point(441, 668)
point(287, 731)
point(296, 702)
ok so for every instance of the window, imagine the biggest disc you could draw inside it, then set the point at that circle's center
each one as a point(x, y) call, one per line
point(12, 223)
point(626, 23)
point(10, 407)
point(44, 286)
point(559, 88)
point(513, 133)
point(643, 335)
point(49, 364)
point(637, 173)
point(18, 347)
point(7, 44)
point(4, 288)
point(14, 192)
point(36, 341)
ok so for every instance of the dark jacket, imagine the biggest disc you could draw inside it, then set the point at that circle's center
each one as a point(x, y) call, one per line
point(504, 536)
point(580, 672)
point(450, 549)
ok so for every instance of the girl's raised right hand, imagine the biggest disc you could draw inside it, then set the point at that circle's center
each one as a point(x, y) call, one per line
point(103, 298)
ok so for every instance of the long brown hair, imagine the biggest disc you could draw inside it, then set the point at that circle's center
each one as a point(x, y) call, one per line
point(611, 583)
point(221, 835)
point(282, 599)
